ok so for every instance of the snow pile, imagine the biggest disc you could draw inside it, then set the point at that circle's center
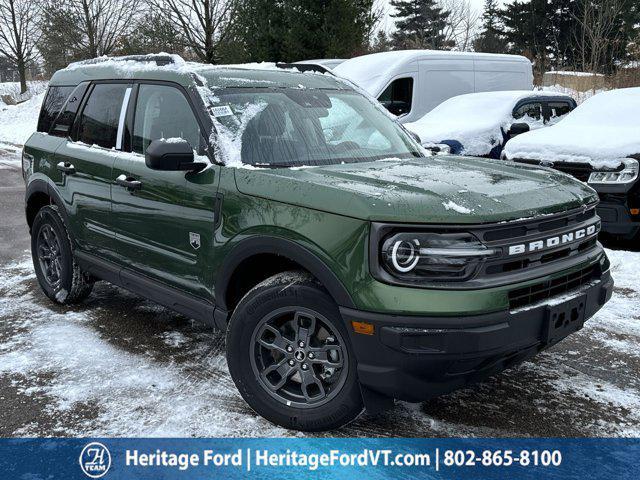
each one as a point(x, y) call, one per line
point(601, 131)
point(18, 122)
point(476, 120)
point(579, 97)
point(569, 73)
point(13, 90)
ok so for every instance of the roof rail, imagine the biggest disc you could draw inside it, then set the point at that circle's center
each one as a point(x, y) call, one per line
point(159, 59)
point(305, 67)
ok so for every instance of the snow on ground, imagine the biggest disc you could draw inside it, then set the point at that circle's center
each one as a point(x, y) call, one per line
point(18, 122)
point(118, 365)
point(579, 97)
point(601, 131)
point(13, 89)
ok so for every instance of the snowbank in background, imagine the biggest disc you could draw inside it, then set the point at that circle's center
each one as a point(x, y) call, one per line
point(476, 120)
point(18, 122)
point(579, 97)
point(601, 131)
point(13, 89)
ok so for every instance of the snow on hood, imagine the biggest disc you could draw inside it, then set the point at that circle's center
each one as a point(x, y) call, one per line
point(602, 131)
point(476, 120)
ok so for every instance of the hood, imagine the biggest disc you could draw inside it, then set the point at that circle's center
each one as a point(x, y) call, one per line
point(597, 145)
point(439, 189)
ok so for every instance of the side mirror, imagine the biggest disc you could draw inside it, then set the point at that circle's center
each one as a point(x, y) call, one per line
point(171, 155)
point(518, 128)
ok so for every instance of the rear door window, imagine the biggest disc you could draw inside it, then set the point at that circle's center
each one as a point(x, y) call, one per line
point(397, 97)
point(557, 110)
point(98, 123)
point(530, 109)
point(52, 105)
point(62, 124)
point(163, 111)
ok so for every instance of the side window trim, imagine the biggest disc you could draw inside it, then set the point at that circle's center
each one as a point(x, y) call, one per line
point(121, 119)
point(73, 131)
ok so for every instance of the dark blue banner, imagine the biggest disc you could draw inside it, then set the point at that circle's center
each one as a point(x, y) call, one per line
point(314, 458)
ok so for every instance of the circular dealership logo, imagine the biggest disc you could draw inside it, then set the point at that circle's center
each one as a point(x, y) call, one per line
point(95, 460)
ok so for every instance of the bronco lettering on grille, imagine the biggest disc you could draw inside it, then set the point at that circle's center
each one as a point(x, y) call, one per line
point(556, 241)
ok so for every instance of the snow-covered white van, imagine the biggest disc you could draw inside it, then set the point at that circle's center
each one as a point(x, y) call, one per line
point(410, 83)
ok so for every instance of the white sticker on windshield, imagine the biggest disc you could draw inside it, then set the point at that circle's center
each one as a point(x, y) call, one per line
point(222, 111)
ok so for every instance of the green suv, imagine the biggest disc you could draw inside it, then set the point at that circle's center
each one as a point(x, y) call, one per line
point(348, 267)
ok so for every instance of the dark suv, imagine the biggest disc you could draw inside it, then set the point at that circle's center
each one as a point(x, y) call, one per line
point(347, 266)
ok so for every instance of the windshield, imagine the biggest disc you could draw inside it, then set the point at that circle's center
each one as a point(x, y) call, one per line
point(287, 127)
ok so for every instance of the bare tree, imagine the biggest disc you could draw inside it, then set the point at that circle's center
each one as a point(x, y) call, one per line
point(18, 35)
point(462, 23)
point(599, 31)
point(102, 23)
point(202, 22)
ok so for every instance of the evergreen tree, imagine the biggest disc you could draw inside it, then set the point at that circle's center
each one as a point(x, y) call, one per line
point(381, 42)
point(152, 33)
point(420, 24)
point(527, 30)
point(58, 43)
point(291, 30)
point(491, 38)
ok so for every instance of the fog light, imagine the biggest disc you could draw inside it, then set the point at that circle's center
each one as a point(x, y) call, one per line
point(635, 211)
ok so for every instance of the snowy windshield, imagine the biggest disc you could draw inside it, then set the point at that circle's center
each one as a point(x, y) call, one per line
point(287, 127)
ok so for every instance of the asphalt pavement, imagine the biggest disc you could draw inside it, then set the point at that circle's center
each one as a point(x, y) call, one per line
point(118, 365)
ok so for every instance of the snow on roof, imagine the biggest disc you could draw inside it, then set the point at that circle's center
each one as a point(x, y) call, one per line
point(475, 120)
point(173, 67)
point(373, 71)
point(601, 131)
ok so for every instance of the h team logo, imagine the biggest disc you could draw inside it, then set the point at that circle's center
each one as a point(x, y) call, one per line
point(95, 460)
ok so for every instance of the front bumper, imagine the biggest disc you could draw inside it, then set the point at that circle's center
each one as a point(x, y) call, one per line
point(616, 217)
point(415, 358)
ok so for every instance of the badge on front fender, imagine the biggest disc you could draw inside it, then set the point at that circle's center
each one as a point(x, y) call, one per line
point(194, 240)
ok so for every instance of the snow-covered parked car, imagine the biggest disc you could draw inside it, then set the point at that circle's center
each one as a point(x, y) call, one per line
point(598, 143)
point(480, 124)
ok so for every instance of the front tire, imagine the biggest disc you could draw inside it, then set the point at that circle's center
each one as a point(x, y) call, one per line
point(289, 355)
point(58, 274)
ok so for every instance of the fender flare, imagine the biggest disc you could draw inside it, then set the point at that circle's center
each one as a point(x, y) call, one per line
point(42, 186)
point(257, 245)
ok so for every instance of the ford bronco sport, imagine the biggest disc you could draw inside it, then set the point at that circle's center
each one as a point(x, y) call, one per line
point(347, 266)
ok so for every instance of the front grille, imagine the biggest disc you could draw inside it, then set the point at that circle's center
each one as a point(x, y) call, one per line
point(526, 232)
point(523, 297)
point(581, 171)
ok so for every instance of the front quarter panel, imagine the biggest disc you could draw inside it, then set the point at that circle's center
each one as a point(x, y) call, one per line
point(339, 242)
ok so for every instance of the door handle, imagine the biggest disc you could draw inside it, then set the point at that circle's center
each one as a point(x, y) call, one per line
point(66, 167)
point(129, 182)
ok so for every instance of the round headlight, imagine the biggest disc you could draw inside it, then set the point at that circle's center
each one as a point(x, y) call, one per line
point(405, 255)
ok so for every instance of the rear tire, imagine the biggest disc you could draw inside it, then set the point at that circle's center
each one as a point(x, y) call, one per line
point(289, 355)
point(59, 276)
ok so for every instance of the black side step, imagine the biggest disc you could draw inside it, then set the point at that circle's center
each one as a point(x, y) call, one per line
point(170, 297)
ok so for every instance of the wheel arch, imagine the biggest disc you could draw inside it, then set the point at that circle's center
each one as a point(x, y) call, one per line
point(40, 193)
point(257, 248)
